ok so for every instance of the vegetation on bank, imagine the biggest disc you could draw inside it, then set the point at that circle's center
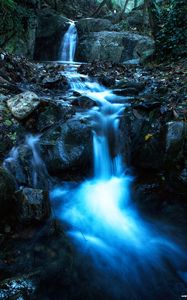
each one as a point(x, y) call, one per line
point(168, 23)
point(13, 20)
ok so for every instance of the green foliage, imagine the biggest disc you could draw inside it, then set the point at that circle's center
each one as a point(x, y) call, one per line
point(119, 4)
point(7, 4)
point(13, 20)
point(171, 38)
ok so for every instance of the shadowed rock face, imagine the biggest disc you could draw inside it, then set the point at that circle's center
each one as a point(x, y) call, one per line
point(51, 27)
point(113, 46)
point(7, 188)
point(68, 148)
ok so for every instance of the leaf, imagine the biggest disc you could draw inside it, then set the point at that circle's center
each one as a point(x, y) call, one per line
point(148, 137)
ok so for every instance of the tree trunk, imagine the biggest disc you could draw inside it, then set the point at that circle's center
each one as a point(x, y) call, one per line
point(154, 19)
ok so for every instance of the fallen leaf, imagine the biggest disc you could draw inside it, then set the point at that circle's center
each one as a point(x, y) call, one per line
point(148, 136)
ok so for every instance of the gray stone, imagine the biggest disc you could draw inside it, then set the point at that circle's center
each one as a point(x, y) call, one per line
point(67, 148)
point(175, 137)
point(16, 288)
point(33, 205)
point(87, 25)
point(84, 102)
point(115, 47)
point(22, 105)
point(148, 144)
point(53, 113)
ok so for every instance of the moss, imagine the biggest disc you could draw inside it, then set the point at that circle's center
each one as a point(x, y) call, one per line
point(7, 123)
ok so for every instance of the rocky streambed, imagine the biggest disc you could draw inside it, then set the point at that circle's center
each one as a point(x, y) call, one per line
point(46, 138)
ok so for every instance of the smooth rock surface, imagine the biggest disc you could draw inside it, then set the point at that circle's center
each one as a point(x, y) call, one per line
point(87, 25)
point(115, 47)
point(68, 148)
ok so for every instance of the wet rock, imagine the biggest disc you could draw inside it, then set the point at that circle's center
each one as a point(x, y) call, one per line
point(126, 91)
point(16, 289)
point(52, 113)
point(32, 205)
point(84, 102)
point(142, 139)
point(55, 81)
point(22, 105)
point(107, 80)
point(147, 105)
point(138, 86)
point(113, 46)
point(67, 148)
point(176, 134)
point(27, 167)
point(7, 189)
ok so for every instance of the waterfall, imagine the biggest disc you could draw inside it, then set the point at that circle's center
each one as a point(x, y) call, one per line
point(101, 214)
point(104, 223)
point(68, 44)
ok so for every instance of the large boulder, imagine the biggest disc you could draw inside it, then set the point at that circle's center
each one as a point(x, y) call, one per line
point(50, 31)
point(149, 144)
point(87, 25)
point(67, 149)
point(175, 138)
point(112, 46)
point(22, 105)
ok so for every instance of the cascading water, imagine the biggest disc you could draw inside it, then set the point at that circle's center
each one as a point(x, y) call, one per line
point(39, 170)
point(68, 44)
point(102, 216)
point(37, 176)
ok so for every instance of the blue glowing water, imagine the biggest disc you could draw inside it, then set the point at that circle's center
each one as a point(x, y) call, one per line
point(68, 45)
point(103, 219)
point(104, 222)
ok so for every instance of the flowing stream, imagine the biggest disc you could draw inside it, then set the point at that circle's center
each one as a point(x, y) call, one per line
point(103, 219)
point(133, 259)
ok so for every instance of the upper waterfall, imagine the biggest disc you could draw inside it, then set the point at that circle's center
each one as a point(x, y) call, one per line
point(68, 44)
